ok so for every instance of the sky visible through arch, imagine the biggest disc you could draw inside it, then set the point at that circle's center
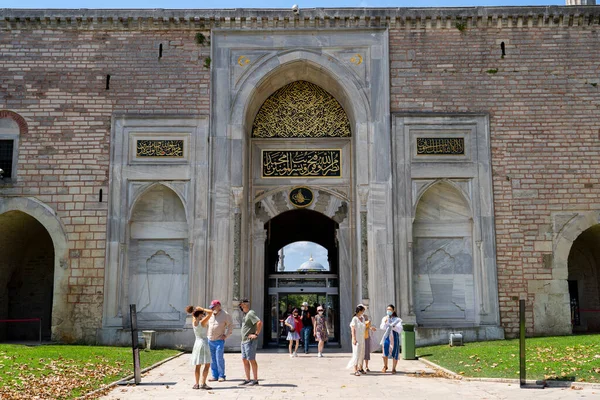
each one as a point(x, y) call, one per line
point(219, 4)
point(299, 252)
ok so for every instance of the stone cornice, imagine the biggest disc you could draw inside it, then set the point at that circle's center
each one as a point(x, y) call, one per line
point(314, 18)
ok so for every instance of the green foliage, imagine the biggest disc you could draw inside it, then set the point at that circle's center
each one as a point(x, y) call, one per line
point(202, 40)
point(66, 372)
point(461, 25)
point(563, 358)
point(492, 71)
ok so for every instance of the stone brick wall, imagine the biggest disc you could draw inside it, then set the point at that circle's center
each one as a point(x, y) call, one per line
point(542, 98)
point(56, 81)
point(543, 101)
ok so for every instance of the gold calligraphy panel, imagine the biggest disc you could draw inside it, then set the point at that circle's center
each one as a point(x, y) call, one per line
point(302, 163)
point(159, 148)
point(301, 110)
point(440, 146)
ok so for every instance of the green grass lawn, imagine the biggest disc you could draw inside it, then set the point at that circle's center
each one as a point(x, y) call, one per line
point(65, 372)
point(565, 358)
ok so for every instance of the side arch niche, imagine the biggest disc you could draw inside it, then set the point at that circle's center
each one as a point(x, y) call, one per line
point(444, 284)
point(158, 258)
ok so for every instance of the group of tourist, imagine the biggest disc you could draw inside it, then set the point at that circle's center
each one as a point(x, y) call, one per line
point(303, 322)
point(361, 328)
point(213, 325)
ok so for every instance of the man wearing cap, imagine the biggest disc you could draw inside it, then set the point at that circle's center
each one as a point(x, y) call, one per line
point(220, 327)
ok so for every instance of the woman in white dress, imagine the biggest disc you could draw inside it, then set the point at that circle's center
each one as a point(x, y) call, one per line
point(201, 352)
point(357, 326)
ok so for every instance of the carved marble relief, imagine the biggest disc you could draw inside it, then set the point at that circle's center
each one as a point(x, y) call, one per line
point(444, 272)
point(158, 284)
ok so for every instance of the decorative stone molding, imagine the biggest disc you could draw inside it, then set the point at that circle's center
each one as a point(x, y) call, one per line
point(277, 201)
point(317, 18)
point(237, 194)
point(363, 194)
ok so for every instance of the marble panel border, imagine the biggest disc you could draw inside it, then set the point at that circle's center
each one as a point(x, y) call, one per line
point(471, 176)
point(128, 181)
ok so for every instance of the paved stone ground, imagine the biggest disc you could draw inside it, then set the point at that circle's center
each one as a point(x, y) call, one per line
point(307, 377)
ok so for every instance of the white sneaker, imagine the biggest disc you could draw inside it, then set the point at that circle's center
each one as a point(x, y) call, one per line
point(295, 354)
point(320, 355)
point(291, 356)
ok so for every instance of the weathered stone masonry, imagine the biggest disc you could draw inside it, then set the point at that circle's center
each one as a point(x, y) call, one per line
point(541, 97)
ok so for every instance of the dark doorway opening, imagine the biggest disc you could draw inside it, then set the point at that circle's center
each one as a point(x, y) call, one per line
point(26, 277)
point(302, 278)
point(584, 281)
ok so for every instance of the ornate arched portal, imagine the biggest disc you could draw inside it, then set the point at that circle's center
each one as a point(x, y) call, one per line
point(335, 94)
point(301, 142)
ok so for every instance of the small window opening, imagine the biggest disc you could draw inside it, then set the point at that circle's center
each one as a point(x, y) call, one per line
point(160, 50)
point(503, 48)
point(107, 82)
point(100, 196)
point(6, 157)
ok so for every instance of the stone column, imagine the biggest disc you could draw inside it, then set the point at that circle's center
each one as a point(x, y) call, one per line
point(237, 193)
point(410, 300)
point(363, 192)
point(255, 274)
point(349, 289)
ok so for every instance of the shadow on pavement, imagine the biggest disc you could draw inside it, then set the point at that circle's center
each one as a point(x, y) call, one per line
point(130, 383)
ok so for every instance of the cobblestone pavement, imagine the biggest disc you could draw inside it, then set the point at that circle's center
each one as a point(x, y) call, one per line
point(308, 377)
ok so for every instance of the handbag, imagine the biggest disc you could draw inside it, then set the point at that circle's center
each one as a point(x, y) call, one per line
point(290, 328)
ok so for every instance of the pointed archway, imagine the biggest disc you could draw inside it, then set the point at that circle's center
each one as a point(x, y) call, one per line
point(35, 281)
point(26, 277)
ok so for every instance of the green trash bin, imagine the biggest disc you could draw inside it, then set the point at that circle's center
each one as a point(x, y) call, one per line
point(408, 342)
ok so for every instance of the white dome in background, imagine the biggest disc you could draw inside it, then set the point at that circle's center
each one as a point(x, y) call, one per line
point(311, 265)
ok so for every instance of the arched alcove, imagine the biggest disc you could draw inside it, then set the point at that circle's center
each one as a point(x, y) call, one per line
point(584, 281)
point(443, 273)
point(26, 277)
point(158, 258)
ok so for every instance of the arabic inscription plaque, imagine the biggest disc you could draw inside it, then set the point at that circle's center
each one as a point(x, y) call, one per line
point(440, 146)
point(302, 163)
point(159, 148)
